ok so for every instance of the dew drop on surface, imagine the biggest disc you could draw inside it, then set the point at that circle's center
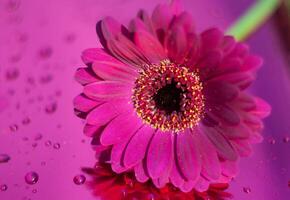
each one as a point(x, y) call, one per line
point(51, 108)
point(31, 178)
point(3, 187)
point(247, 190)
point(286, 139)
point(70, 38)
point(272, 141)
point(34, 191)
point(38, 137)
point(34, 145)
point(48, 143)
point(26, 121)
point(12, 74)
point(46, 79)
point(4, 158)
point(56, 146)
point(13, 128)
point(79, 179)
point(12, 5)
point(45, 52)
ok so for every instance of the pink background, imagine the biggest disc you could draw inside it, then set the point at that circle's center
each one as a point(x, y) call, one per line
point(40, 46)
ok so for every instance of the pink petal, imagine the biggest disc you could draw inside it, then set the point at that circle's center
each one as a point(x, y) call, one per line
point(106, 90)
point(161, 181)
point(263, 109)
point(202, 185)
point(176, 6)
point(84, 104)
point(236, 132)
point(116, 157)
point(150, 46)
point(160, 154)
point(226, 114)
point(241, 50)
point(144, 16)
point(104, 113)
point(137, 25)
point(140, 173)
point(93, 54)
point(223, 146)
point(137, 146)
point(188, 186)
point(176, 44)
point(241, 80)
point(184, 21)
point(220, 91)
point(242, 147)
point(119, 45)
point(114, 71)
point(210, 60)
point(92, 130)
point(229, 168)
point(210, 163)
point(161, 18)
point(211, 39)
point(110, 28)
point(120, 128)
point(175, 176)
point(245, 102)
point(228, 44)
point(252, 63)
point(126, 51)
point(188, 155)
point(85, 76)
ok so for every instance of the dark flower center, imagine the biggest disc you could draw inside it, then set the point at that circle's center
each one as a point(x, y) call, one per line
point(168, 98)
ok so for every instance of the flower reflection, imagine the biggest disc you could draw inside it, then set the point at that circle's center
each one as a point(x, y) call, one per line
point(111, 186)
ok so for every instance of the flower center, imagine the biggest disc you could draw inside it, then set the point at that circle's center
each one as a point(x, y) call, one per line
point(168, 97)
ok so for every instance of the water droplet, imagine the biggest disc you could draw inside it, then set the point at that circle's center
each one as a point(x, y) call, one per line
point(79, 179)
point(26, 121)
point(3, 187)
point(70, 38)
point(247, 190)
point(48, 143)
point(34, 145)
point(31, 178)
point(56, 146)
point(45, 52)
point(46, 79)
point(272, 141)
point(13, 128)
point(12, 74)
point(12, 5)
point(34, 191)
point(38, 137)
point(286, 139)
point(4, 158)
point(51, 108)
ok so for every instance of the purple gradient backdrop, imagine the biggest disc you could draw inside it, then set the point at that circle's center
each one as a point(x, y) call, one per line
point(42, 42)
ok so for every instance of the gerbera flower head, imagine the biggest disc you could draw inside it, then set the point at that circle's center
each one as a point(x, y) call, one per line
point(108, 185)
point(168, 103)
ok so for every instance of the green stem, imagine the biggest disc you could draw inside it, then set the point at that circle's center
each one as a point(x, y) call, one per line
point(253, 18)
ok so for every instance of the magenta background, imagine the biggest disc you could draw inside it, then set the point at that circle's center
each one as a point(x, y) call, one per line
point(47, 24)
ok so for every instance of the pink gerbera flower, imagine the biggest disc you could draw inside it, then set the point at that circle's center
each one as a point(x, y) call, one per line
point(168, 103)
